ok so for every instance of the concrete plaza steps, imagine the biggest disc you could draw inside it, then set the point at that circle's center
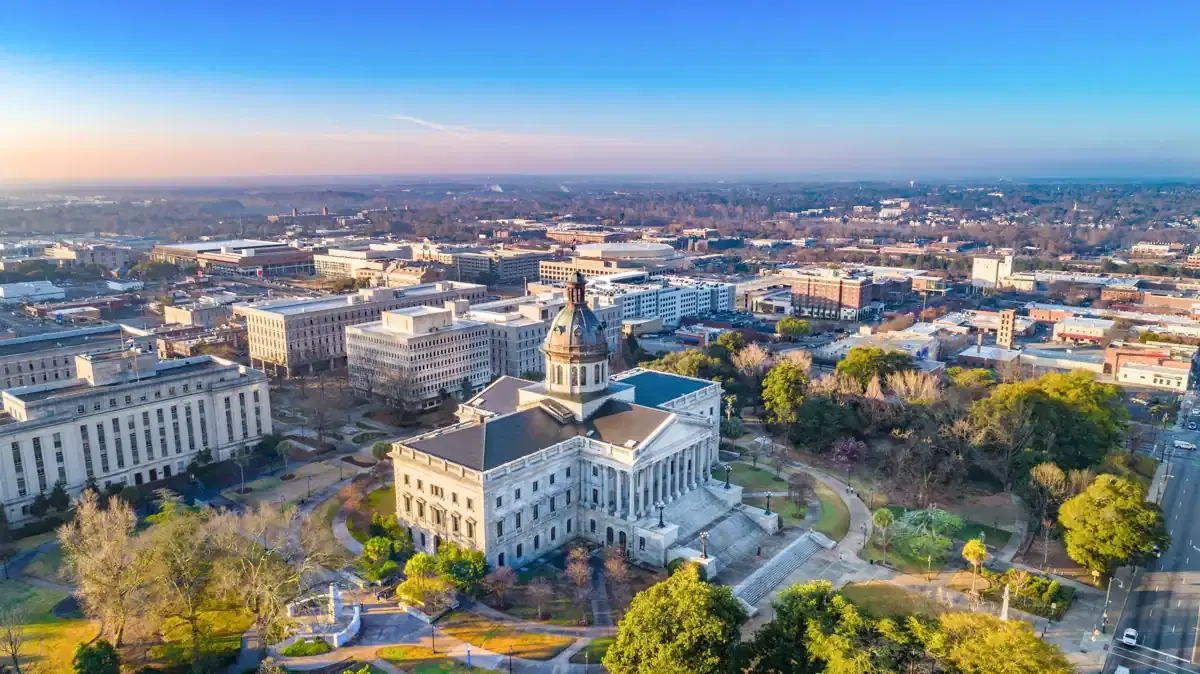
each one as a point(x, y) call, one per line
point(760, 583)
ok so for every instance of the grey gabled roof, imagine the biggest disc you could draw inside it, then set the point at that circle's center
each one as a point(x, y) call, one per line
point(652, 388)
point(500, 397)
point(496, 441)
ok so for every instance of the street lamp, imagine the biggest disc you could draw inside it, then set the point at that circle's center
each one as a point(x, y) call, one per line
point(433, 637)
point(703, 545)
point(728, 469)
point(661, 506)
point(1107, 599)
point(510, 657)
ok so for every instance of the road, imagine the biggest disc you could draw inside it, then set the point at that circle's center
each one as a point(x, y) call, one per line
point(1164, 606)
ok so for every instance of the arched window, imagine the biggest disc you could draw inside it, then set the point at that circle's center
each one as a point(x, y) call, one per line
point(583, 375)
point(558, 374)
point(598, 380)
point(574, 376)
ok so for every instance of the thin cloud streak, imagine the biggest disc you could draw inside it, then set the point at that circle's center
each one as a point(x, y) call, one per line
point(444, 128)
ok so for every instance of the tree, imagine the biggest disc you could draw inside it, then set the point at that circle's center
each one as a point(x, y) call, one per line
point(975, 552)
point(500, 582)
point(183, 567)
point(981, 643)
point(883, 520)
point(733, 341)
point(679, 625)
point(690, 363)
point(617, 571)
point(579, 574)
point(381, 451)
point(751, 362)
point(98, 657)
point(801, 487)
point(110, 563)
point(541, 591)
point(863, 363)
point(790, 328)
point(377, 561)
point(978, 378)
point(820, 420)
point(461, 567)
point(1110, 524)
point(16, 642)
point(783, 391)
point(847, 452)
point(420, 564)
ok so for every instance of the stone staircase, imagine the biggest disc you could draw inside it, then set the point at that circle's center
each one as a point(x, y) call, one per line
point(731, 536)
point(761, 582)
point(695, 512)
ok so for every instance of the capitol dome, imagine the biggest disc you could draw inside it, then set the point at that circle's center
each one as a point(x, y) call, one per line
point(576, 348)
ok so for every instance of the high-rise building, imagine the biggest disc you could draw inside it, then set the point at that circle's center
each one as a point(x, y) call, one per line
point(987, 271)
point(1007, 330)
point(837, 294)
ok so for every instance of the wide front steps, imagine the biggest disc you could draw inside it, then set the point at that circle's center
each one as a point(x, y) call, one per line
point(695, 511)
point(760, 583)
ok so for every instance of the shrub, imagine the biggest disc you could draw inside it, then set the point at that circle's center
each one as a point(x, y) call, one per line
point(299, 649)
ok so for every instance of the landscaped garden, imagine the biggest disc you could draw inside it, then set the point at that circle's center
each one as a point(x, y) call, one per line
point(594, 652)
point(751, 479)
point(881, 600)
point(1030, 592)
point(358, 519)
point(967, 529)
point(789, 512)
point(499, 638)
point(835, 516)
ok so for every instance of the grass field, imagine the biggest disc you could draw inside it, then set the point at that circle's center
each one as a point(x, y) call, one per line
point(48, 565)
point(594, 652)
point(880, 600)
point(420, 660)
point(752, 479)
point(788, 512)
point(222, 631)
point(835, 516)
point(478, 631)
point(903, 563)
point(54, 639)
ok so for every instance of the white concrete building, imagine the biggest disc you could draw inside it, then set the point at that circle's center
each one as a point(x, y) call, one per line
point(125, 418)
point(32, 291)
point(988, 270)
point(581, 454)
point(1154, 376)
point(670, 298)
point(518, 326)
point(427, 351)
point(1077, 329)
point(287, 336)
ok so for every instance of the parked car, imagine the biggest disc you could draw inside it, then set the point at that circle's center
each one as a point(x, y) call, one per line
point(1192, 426)
point(1130, 637)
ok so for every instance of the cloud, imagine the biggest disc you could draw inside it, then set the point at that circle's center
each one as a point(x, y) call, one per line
point(443, 128)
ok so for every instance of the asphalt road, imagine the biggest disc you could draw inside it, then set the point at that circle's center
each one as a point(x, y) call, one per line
point(1164, 606)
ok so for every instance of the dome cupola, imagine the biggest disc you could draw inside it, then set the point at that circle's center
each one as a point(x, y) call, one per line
point(575, 347)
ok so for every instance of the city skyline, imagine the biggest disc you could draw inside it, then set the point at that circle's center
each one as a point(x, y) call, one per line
point(869, 90)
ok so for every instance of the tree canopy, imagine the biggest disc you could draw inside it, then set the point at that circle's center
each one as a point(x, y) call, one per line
point(1110, 524)
point(790, 327)
point(864, 363)
point(690, 363)
point(783, 391)
point(682, 624)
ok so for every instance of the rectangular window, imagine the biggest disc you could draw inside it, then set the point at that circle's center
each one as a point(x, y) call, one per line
point(517, 495)
point(203, 423)
point(187, 415)
point(499, 501)
point(471, 530)
point(470, 504)
point(116, 426)
point(568, 526)
point(537, 542)
point(242, 407)
point(552, 504)
point(103, 448)
point(87, 450)
point(641, 542)
point(500, 528)
point(131, 425)
point(553, 534)
point(58, 457)
point(551, 478)
point(148, 435)
point(517, 517)
point(568, 472)
point(535, 512)
point(568, 495)
point(535, 485)
point(18, 468)
point(229, 418)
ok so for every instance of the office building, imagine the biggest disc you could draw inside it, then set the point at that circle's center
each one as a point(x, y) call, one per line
point(419, 355)
point(987, 271)
point(518, 326)
point(125, 418)
point(669, 298)
point(104, 255)
point(837, 294)
point(50, 357)
point(204, 314)
point(1078, 329)
point(291, 335)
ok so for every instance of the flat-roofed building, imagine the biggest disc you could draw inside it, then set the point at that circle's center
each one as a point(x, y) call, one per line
point(50, 357)
point(31, 291)
point(987, 271)
point(187, 254)
point(111, 257)
point(204, 314)
point(1078, 329)
point(291, 335)
point(837, 294)
point(419, 355)
point(126, 418)
point(518, 326)
point(607, 259)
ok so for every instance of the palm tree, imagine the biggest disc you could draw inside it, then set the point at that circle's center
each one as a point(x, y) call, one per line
point(975, 552)
point(884, 519)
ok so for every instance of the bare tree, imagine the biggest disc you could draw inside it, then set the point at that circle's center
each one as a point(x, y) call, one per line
point(184, 552)
point(1078, 481)
point(500, 582)
point(751, 362)
point(579, 573)
point(1000, 436)
point(801, 357)
point(801, 487)
point(541, 591)
point(268, 560)
point(109, 562)
point(16, 643)
point(913, 386)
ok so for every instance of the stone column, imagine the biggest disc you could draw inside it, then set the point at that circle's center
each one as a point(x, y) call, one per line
point(673, 476)
point(600, 486)
point(636, 495)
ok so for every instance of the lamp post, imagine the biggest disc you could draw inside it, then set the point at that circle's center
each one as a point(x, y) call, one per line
point(1107, 599)
point(433, 638)
point(510, 657)
point(661, 506)
point(728, 469)
point(703, 545)
point(768, 503)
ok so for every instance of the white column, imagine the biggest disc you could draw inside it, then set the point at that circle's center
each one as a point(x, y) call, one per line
point(673, 477)
point(636, 500)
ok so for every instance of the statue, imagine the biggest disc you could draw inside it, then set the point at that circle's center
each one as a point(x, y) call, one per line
point(1004, 606)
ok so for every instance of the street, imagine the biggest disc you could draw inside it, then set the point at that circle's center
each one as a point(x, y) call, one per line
point(1164, 605)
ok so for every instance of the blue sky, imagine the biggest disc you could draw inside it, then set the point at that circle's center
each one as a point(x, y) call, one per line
point(132, 89)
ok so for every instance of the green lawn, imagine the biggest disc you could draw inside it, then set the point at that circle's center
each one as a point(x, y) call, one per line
point(787, 510)
point(54, 640)
point(835, 516)
point(498, 638)
point(48, 565)
point(382, 500)
point(903, 563)
point(752, 479)
point(420, 660)
point(970, 529)
point(880, 600)
point(594, 652)
point(222, 631)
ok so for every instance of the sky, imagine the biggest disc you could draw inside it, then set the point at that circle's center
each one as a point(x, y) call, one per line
point(154, 91)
